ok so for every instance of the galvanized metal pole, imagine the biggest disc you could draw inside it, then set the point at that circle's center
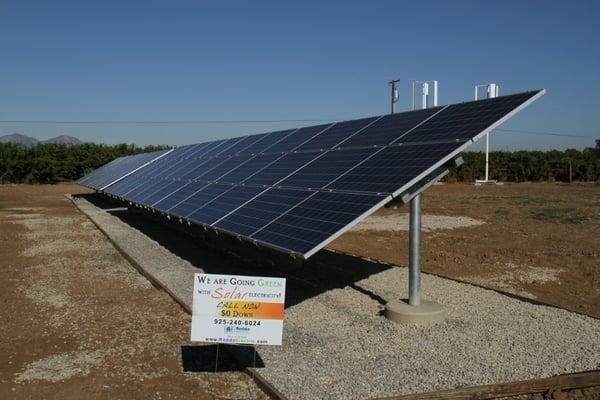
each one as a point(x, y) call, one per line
point(487, 155)
point(492, 90)
point(414, 239)
point(416, 311)
point(414, 252)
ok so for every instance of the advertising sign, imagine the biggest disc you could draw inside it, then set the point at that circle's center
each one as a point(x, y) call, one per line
point(238, 309)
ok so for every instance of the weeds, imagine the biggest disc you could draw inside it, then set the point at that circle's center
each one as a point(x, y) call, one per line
point(560, 215)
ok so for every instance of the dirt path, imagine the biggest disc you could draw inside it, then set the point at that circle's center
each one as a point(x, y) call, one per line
point(78, 320)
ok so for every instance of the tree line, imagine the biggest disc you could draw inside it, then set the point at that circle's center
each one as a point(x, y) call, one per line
point(49, 163)
point(532, 166)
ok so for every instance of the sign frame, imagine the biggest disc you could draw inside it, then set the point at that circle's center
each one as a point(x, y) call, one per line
point(238, 309)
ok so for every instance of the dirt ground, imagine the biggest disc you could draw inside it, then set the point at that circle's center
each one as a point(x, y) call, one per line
point(75, 320)
point(75, 314)
point(540, 241)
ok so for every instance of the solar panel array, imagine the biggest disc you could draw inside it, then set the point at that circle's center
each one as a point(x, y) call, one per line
point(296, 190)
point(118, 169)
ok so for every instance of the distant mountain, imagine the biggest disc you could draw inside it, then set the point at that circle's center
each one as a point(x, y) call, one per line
point(29, 141)
point(19, 139)
point(63, 139)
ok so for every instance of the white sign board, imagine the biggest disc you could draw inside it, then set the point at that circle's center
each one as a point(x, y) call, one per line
point(238, 309)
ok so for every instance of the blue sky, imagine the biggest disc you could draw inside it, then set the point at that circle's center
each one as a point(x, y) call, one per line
point(188, 60)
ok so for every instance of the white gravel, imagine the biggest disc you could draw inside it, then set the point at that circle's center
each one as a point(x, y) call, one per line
point(509, 276)
point(58, 367)
point(336, 346)
point(338, 343)
point(400, 222)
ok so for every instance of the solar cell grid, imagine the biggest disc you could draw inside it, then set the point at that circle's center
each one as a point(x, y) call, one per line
point(383, 173)
point(280, 168)
point(210, 211)
point(171, 199)
point(201, 196)
point(157, 180)
point(118, 169)
point(236, 157)
point(194, 157)
point(325, 169)
point(389, 128)
point(336, 134)
point(268, 141)
point(314, 219)
point(157, 195)
point(96, 174)
point(124, 186)
point(465, 120)
point(257, 143)
point(296, 190)
point(205, 163)
point(259, 211)
point(242, 172)
point(300, 136)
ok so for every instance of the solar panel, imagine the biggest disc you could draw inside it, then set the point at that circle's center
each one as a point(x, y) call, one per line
point(118, 169)
point(297, 190)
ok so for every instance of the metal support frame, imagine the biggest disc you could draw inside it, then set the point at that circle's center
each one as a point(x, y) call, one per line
point(414, 242)
point(414, 239)
point(492, 90)
point(417, 310)
point(414, 252)
point(432, 178)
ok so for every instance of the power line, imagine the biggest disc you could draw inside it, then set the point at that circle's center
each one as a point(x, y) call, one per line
point(166, 122)
point(241, 121)
point(542, 133)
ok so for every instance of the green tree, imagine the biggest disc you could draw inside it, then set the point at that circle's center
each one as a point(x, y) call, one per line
point(46, 163)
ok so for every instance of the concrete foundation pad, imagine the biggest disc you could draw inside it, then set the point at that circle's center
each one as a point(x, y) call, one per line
point(488, 182)
point(427, 313)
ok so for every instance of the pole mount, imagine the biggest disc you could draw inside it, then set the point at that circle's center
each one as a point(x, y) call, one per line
point(414, 309)
point(426, 313)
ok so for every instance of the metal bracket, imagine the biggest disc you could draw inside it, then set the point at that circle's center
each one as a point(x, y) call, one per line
point(432, 178)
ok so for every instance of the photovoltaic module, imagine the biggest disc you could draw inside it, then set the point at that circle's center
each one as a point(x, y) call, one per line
point(118, 169)
point(297, 190)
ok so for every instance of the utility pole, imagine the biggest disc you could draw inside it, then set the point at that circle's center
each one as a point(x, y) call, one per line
point(394, 94)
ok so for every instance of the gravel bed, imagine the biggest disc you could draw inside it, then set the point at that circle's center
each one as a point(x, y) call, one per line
point(337, 346)
point(400, 222)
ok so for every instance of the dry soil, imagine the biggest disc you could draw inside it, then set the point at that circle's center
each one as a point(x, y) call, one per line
point(79, 321)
